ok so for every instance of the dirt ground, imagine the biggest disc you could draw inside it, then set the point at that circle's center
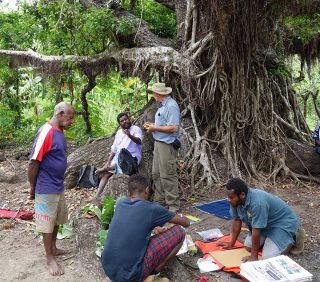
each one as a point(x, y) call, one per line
point(22, 253)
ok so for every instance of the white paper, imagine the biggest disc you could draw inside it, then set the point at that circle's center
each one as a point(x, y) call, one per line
point(211, 234)
point(207, 265)
point(186, 245)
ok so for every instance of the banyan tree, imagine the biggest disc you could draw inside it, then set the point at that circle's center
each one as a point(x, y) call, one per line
point(226, 68)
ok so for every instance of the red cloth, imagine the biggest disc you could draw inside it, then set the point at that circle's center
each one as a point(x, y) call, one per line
point(22, 214)
point(212, 246)
point(203, 279)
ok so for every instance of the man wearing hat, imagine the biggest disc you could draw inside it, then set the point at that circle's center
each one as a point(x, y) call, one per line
point(165, 131)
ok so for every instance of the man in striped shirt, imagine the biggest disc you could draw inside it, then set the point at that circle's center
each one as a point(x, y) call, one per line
point(48, 163)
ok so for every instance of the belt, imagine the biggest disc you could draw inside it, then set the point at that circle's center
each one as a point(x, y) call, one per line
point(162, 142)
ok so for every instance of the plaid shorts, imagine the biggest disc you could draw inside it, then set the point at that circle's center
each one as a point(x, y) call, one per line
point(160, 246)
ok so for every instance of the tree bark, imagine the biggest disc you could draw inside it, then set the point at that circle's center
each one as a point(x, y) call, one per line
point(85, 110)
point(167, 3)
point(302, 158)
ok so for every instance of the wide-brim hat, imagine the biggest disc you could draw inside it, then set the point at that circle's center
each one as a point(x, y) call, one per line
point(160, 88)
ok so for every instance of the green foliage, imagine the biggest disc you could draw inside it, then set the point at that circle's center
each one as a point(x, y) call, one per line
point(35, 99)
point(16, 30)
point(304, 27)
point(125, 26)
point(161, 20)
point(7, 120)
point(103, 234)
point(108, 205)
point(92, 208)
point(22, 101)
point(130, 93)
point(105, 215)
point(77, 131)
point(64, 231)
point(280, 71)
point(63, 27)
point(305, 86)
point(192, 252)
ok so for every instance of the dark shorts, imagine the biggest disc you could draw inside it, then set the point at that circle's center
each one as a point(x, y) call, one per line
point(160, 246)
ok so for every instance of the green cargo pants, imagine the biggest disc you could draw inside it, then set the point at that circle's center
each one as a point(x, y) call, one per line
point(165, 176)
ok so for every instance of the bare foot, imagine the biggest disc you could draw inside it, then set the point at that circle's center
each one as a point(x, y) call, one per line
point(54, 268)
point(59, 252)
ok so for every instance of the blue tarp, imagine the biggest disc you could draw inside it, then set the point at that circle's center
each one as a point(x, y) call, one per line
point(219, 208)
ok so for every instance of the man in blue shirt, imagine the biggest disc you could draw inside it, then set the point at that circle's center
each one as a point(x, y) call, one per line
point(165, 131)
point(130, 254)
point(272, 223)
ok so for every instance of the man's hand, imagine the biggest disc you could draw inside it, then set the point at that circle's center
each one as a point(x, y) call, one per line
point(157, 230)
point(103, 169)
point(249, 258)
point(127, 132)
point(181, 220)
point(99, 171)
point(225, 245)
point(149, 127)
point(107, 166)
point(32, 193)
point(135, 139)
point(33, 169)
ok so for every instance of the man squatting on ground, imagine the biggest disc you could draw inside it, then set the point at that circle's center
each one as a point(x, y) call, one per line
point(128, 137)
point(48, 163)
point(130, 254)
point(165, 131)
point(272, 223)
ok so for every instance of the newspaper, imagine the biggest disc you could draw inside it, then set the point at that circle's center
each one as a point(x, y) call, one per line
point(280, 269)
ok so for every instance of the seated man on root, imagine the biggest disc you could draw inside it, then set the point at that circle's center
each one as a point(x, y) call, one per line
point(128, 137)
point(273, 226)
point(130, 252)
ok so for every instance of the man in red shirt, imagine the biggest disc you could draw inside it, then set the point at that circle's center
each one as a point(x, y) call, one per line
point(48, 163)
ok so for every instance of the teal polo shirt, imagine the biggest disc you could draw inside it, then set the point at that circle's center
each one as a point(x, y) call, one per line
point(168, 113)
point(269, 213)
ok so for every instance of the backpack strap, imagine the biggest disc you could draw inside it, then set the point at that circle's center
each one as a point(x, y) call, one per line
point(82, 170)
point(91, 174)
